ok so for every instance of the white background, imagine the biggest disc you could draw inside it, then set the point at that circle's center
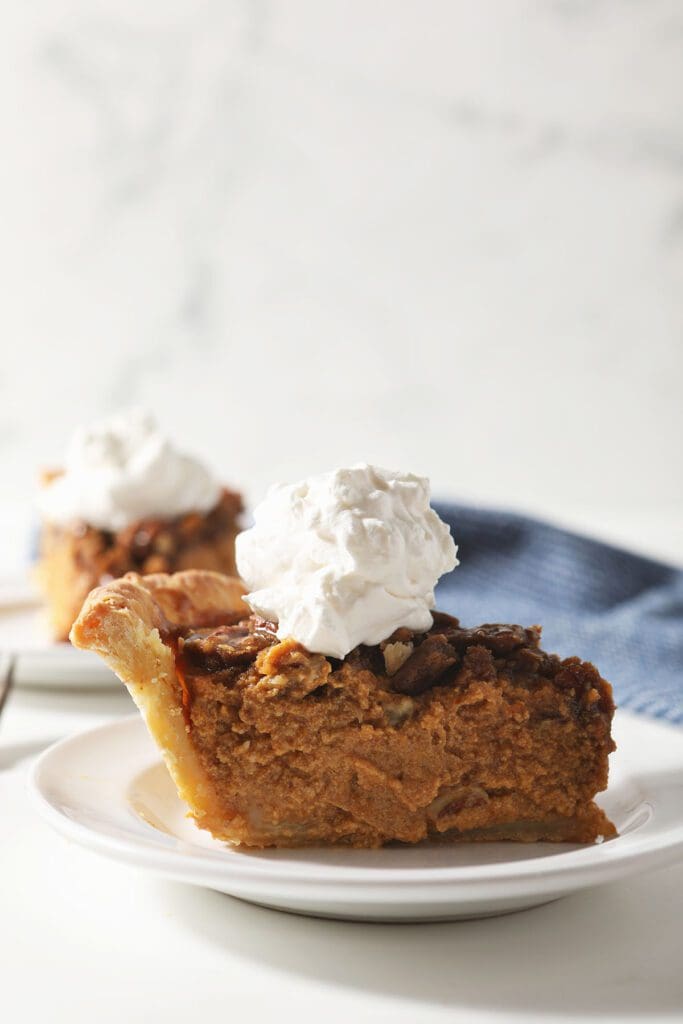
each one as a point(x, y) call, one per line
point(442, 236)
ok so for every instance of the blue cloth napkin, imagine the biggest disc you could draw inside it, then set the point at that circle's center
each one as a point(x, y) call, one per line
point(618, 610)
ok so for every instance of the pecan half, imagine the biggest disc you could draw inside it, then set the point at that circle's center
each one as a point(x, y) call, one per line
point(224, 647)
point(500, 640)
point(423, 668)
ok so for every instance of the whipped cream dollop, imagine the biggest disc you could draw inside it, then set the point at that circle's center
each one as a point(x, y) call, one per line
point(122, 469)
point(346, 557)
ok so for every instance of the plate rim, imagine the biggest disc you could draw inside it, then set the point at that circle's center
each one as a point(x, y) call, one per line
point(47, 664)
point(574, 868)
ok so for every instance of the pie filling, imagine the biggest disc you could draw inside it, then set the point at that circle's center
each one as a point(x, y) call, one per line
point(454, 733)
point(148, 545)
point(76, 558)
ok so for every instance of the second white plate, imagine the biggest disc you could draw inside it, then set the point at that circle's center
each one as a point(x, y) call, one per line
point(40, 661)
point(107, 789)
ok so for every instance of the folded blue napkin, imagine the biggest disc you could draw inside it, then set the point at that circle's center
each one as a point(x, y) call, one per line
point(621, 611)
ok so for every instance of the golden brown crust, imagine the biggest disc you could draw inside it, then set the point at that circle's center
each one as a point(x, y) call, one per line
point(124, 622)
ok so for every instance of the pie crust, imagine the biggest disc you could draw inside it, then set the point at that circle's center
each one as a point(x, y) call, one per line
point(456, 734)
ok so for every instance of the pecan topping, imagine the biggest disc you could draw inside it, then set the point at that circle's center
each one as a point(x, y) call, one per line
point(500, 640)
point(422, 669)
point(225, 647)
point(447, 644)
point(154, 544)
point(395, 655)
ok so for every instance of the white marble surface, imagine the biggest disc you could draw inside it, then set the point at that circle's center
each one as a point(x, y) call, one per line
point(439, 235)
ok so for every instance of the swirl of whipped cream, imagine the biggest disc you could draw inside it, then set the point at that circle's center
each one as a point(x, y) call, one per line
point(346, 557)
point(122, 469)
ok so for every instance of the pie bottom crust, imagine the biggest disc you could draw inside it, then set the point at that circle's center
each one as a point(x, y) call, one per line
point(292, 750)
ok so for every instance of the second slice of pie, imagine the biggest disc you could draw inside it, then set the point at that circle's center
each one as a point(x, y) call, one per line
point(128, 500)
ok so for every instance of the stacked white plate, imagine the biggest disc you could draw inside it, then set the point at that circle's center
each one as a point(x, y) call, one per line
point(40, 661)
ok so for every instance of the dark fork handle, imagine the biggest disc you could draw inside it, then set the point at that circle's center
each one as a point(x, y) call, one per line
point(6, 676)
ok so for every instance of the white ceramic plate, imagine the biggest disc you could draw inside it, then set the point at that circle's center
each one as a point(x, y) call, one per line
point(107, 789)
point(39, 660)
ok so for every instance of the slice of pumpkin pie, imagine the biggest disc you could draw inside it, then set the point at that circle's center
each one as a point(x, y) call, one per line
point(331, 705)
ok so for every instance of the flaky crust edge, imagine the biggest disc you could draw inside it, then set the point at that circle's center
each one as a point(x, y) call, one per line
point(121, 622)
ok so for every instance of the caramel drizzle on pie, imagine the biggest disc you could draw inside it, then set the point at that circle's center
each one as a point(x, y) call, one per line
point(185, 694)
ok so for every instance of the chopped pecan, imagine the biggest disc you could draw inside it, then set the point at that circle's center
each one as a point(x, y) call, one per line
point(399, 710)
point(225, 647)
point(447, 644)
point(289, 666)
point(453, 799)
point(395, 655)
point(500, 640)
point(424, 667)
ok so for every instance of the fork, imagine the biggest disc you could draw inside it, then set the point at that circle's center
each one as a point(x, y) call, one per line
point(6, 676)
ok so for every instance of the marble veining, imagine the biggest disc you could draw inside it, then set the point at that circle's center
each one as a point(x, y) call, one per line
point(444, 236)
